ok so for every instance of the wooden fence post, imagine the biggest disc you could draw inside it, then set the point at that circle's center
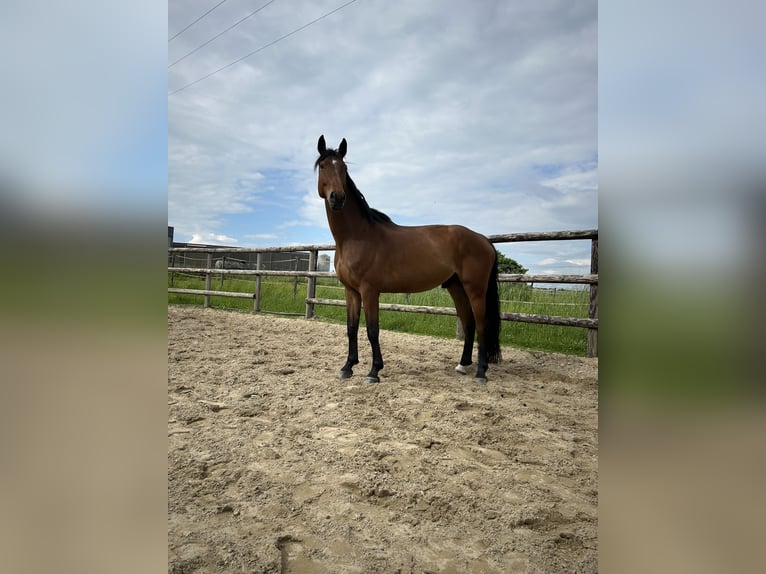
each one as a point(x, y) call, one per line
point(311, 284)
point(207, 279)
point(593, 306)
point(295, 279)
point(257, 298)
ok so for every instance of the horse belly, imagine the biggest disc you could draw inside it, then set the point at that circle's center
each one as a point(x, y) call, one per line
point(401, 281)
point(417, 264)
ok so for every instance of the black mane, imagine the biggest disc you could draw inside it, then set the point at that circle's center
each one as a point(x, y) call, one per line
point(372, 214)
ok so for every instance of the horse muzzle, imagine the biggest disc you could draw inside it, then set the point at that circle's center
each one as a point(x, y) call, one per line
point(336, 201)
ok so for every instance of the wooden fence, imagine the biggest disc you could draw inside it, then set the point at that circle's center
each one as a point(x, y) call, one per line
point(590, 323)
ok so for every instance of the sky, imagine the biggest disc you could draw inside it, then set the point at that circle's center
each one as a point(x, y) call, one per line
point(84, 130)
point(482, 114)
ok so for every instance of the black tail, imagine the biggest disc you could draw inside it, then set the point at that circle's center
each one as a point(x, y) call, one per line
point(492, 318)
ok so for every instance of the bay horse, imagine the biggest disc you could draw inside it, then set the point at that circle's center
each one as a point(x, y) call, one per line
point(374, 255)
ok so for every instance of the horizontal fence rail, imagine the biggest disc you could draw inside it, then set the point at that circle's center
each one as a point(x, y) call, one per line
point(260, 273)
point(502, 277)
point(591, 279)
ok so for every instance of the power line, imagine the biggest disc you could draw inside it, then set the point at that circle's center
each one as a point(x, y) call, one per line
point(206, 76)
point(237, 23)
point(197, 20)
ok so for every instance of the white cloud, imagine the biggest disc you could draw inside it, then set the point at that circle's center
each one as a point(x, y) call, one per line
point(212, 238)
point(579, 262)
point(548, 261)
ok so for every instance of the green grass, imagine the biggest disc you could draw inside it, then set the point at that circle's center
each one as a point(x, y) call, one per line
point(282, 295)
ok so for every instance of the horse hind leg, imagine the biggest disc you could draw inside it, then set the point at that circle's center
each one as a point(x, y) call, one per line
point(465, 315)
point(483, 359)
point(485, 302)
point(477, 304)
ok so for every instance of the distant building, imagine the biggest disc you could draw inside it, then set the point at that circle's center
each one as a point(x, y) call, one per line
point(323, 263)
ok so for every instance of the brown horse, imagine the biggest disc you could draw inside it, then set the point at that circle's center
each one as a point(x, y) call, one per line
point(374, 255)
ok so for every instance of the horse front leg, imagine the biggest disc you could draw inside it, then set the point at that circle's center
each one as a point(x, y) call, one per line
point(371, 313)
point(353, 306)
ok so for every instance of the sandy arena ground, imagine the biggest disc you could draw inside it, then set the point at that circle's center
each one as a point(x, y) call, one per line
point(276, 465)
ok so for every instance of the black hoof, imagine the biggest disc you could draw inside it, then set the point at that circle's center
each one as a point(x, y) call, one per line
point(481, 380)
point(372, 380)
point(345, 375)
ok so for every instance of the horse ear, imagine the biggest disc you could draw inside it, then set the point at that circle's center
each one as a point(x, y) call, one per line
point(321, 146)
point(342, 148)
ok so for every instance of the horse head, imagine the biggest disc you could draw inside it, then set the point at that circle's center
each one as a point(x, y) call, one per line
point(332, 174)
